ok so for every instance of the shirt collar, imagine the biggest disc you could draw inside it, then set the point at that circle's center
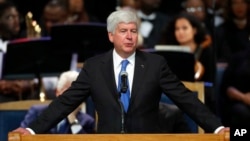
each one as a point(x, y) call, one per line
point(117, 59)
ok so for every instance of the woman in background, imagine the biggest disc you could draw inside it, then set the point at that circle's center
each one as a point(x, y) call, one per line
point(233, 35)
point(186, 30)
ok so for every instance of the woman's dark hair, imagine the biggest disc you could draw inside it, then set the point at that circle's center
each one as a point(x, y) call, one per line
point(199, 37)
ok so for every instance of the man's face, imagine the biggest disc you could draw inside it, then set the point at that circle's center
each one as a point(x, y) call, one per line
point(54, 15)
point(76, 6)
point(196, 8)
point(124, 39)
point(184, 31)
point(10, 21)
point(239, 8)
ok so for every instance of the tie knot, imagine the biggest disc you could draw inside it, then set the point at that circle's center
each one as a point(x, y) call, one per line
point(124, 64)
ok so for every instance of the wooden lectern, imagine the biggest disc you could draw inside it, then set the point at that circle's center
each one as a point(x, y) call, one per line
point(12, 136)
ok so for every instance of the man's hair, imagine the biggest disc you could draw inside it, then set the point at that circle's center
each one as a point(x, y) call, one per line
point(121, 16)
point(66, 78)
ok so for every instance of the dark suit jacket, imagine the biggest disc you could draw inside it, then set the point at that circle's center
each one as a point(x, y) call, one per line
point(86, 121)
point(152, 76)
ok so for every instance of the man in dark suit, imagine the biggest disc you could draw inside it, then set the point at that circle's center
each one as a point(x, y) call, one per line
point(145, 76)
point(76, 122)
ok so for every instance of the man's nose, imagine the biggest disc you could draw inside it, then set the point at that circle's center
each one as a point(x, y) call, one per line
point(129, 34)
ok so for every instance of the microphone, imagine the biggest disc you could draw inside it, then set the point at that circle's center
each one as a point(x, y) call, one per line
point(123, 89)
point(124, 82)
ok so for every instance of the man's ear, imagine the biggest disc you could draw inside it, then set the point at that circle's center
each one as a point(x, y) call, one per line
point(110, 35)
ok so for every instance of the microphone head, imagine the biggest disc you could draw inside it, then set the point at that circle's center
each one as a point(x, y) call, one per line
point(124, 85)
point(124, 73)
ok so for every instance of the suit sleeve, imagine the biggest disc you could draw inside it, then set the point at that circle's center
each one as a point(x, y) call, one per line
point(31, 115)
point(63, 105)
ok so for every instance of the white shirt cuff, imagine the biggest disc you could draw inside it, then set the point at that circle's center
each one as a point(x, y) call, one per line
point(31, 131)
point(218, 129)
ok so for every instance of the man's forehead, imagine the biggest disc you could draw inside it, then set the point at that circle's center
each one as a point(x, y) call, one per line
point(127, 24)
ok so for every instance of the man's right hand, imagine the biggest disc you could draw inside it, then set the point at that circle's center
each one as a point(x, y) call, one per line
point(22, 131)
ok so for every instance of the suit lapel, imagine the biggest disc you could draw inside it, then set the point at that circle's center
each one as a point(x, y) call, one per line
point(139, 72)
point(108, 73)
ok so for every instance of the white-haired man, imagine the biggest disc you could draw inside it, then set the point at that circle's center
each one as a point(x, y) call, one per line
point(76, 122)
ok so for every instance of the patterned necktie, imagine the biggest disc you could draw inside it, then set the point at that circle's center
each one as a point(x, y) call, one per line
point(124, 96)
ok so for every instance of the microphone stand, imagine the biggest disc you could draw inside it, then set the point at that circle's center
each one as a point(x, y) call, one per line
point(122, 114)
point(123, 89)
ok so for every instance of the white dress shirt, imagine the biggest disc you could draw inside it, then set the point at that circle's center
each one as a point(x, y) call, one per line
point(130, 68)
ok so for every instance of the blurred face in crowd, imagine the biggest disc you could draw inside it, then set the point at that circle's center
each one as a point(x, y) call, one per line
point(10, 22)
point(217, 3)
point(124, 39)
point(196, 8)
point(76, 6)
point(54, 15)
point(239, 8)
point(129, 3)
point(184, 32)
point(149, 5)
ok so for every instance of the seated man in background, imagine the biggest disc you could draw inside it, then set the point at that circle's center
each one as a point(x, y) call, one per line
point(78, 12)
point(54, 12)
point(76, 122)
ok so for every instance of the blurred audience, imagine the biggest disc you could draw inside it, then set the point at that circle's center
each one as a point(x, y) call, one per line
point(186, 30)
point(235, 91)
point(233, 35)
point(9, 30)
point(171, 7)
point(215, 11)
point(153, 22)
point(78, 12)
point(76, 122)
point(197, 8)
point(131, 4)
point(54, 12)
point(10, 25)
